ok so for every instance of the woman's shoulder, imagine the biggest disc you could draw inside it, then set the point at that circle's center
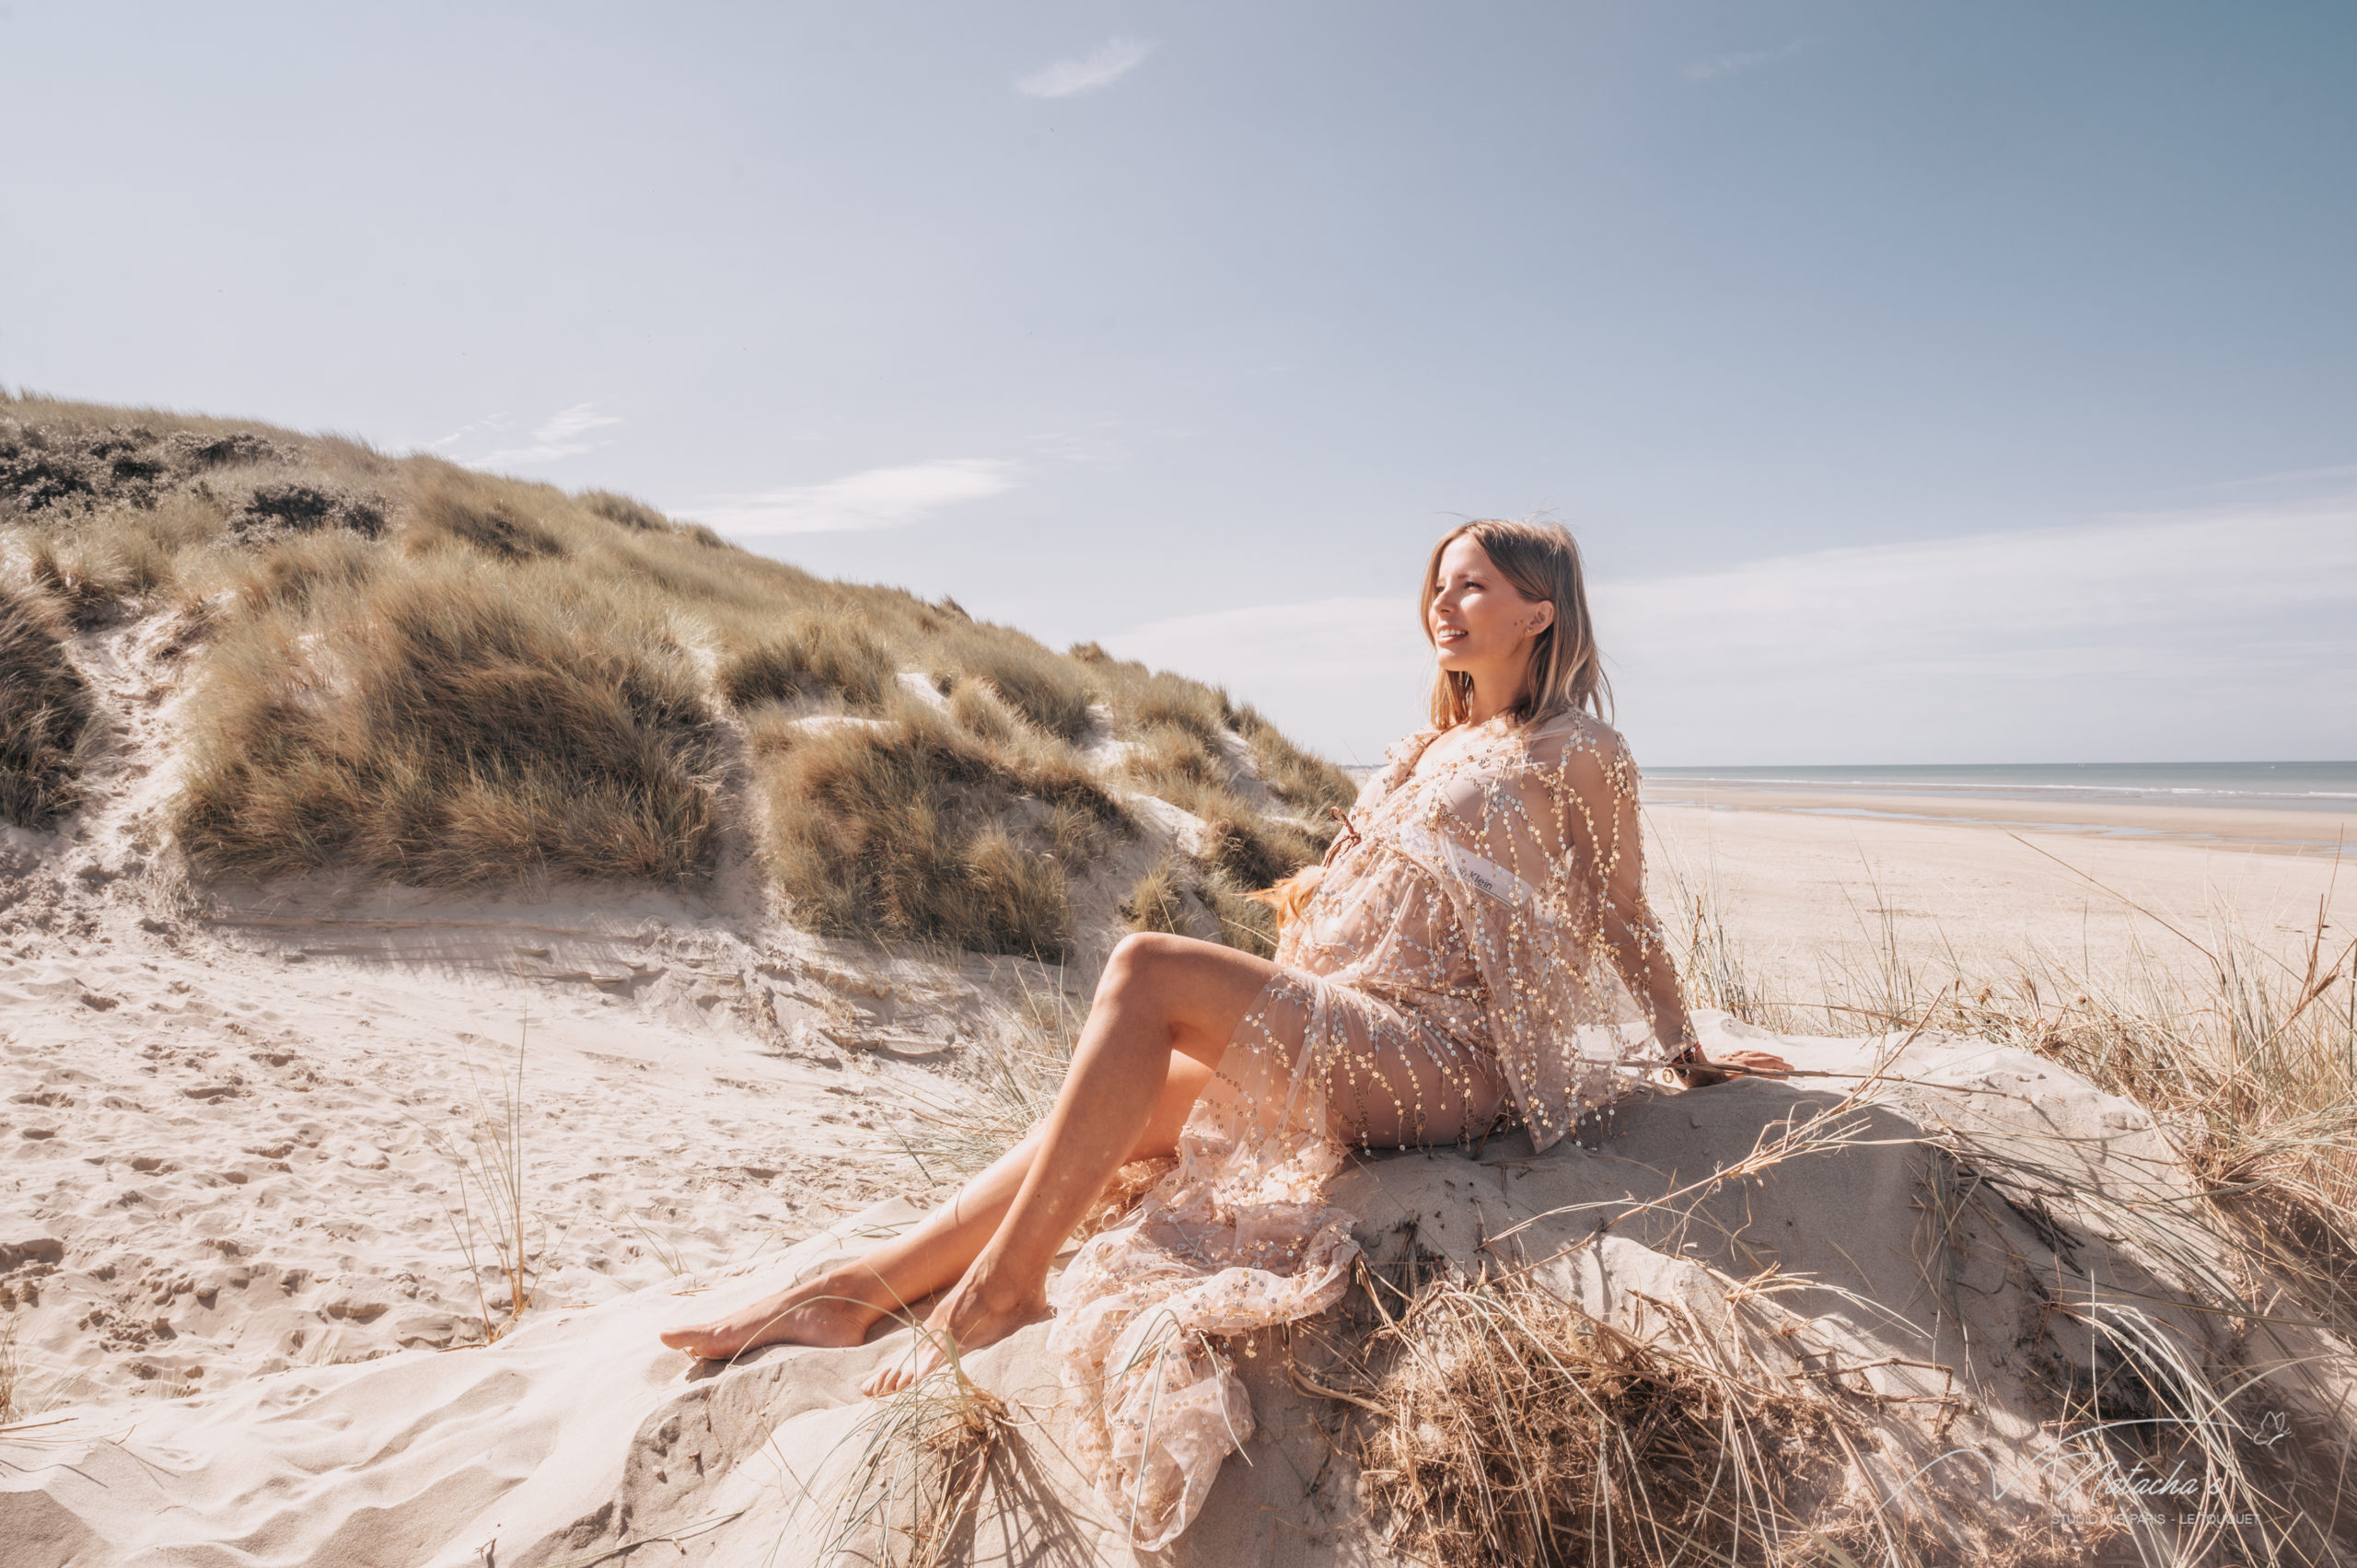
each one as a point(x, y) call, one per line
point(1403, 752)
point(1576, 738)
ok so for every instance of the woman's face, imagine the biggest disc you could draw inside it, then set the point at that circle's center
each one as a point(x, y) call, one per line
point(1480, 623)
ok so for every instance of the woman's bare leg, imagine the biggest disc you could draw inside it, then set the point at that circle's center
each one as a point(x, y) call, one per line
point(1160, 995)
point(838, 1306)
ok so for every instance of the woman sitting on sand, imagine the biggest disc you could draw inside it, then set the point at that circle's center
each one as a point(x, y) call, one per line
point(1475, 950)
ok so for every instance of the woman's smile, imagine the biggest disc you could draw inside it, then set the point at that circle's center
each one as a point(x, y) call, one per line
point(1481, 625)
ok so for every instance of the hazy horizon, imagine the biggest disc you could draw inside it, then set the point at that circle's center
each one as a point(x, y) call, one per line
point(1947, 382)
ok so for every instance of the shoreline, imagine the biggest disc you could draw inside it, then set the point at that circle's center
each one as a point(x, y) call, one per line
point(2309, 831)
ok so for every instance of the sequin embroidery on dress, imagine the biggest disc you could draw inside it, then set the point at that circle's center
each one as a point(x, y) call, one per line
point(1464, 951)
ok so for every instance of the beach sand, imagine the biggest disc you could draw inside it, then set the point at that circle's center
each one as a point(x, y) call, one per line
point(1806, 876)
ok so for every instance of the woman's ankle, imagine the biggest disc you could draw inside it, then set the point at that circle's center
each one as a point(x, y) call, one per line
point(850, 1287)
point(997, 1286)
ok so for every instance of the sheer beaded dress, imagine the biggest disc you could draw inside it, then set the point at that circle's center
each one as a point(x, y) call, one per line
point(1474, 951)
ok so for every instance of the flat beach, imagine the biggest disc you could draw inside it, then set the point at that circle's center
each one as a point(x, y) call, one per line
point(1804, 877)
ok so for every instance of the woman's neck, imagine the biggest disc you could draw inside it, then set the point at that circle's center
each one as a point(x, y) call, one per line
point(1493, 694)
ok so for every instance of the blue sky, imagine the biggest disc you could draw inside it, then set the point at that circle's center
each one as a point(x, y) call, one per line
point(1928, 382)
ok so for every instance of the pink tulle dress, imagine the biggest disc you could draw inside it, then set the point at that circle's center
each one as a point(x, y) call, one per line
point(1464, 948)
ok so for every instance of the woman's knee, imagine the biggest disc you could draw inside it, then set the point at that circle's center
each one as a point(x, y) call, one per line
point(1197, 990)
point(1145, 956)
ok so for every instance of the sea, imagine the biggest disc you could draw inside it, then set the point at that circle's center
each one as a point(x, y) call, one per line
point(2275, 786)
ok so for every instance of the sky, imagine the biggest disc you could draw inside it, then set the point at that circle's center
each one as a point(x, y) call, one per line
point(1925, 382)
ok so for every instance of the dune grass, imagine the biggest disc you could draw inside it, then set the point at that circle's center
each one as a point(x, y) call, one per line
point(1189, 896)
point(914, 1477)
point(430, 675)
point(442, 726)
point(1047, 689)
point(1308, 782)
point(11, 1369)
point(2247, 1056)
point(47, 715)
point(1158, 900)
point(913, 827)
point(1512, 1429)
point(490, 1218)
point(454, 508)
point(1143, 698)
point(809, 656)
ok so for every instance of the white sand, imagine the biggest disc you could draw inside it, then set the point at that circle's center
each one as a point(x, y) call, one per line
point(577, 1435)
point(1801, 890)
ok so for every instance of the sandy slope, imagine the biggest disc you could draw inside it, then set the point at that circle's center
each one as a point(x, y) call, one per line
point(238, 1122)
point(225, 1163)
point(578, 1435)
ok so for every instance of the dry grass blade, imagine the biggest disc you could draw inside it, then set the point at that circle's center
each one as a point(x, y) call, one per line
point(489, 1214)
point(1508, 1428)
point(809, 656)
point(1008, 1083)
point(915, 1481)
point(1046, 689)
point(11, 1371)
point(1300, 778)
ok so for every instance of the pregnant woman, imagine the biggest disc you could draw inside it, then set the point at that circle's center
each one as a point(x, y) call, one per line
point(1475, 952)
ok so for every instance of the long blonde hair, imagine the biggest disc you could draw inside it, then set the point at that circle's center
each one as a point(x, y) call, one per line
point(1542, 562)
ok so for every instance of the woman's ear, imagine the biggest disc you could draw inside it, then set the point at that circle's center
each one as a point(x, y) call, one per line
point(1545, 618)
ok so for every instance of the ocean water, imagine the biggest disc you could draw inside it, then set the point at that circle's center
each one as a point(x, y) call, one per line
point(2277, 786)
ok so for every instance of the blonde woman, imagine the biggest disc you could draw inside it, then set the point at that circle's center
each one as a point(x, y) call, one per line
point(1476, 950)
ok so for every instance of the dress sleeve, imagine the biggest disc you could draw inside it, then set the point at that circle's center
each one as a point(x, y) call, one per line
point(1542, 859)
point(1606, 780)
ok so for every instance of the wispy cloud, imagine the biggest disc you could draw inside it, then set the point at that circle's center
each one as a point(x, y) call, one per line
point(488, 427)
point(559, 435)
point(2220, 633)
point(874, 498)
point(1107, 63)
point(1712, 67)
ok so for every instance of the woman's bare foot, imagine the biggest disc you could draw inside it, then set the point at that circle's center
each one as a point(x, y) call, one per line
point(967, 1319)
point(828, 1309)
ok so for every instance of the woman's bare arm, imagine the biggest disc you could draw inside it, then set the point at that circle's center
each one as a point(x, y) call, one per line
point(1640, 949)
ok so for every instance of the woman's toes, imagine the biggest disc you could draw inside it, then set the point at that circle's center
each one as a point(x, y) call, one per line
point(682, 1338)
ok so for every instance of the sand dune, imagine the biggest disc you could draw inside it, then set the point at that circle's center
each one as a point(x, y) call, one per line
point(577, 1435)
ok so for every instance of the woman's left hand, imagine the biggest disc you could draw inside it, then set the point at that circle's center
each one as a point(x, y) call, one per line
point(1733, 1065)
